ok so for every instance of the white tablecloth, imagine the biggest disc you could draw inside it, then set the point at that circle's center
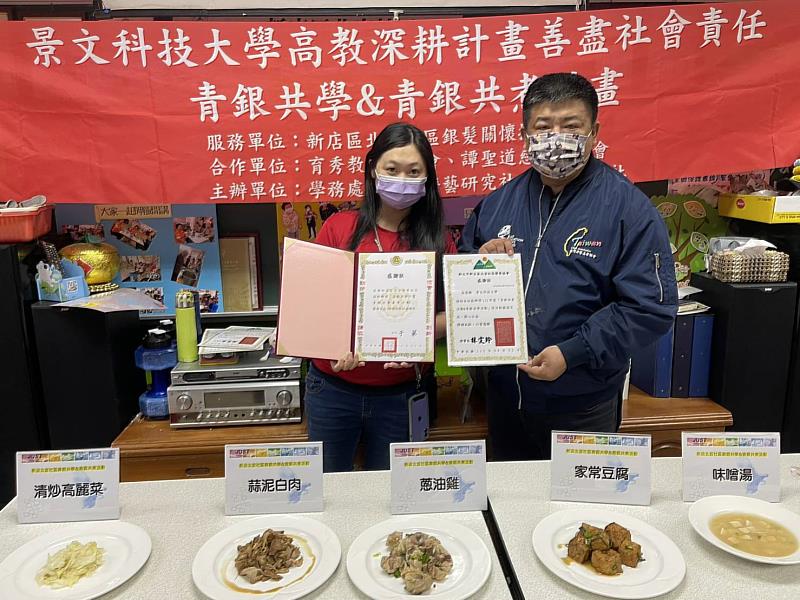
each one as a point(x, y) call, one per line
point(181, 515)
point(519, 494)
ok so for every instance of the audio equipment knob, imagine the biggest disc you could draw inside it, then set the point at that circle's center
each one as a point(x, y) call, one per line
point(185, 402)
point(284, 398)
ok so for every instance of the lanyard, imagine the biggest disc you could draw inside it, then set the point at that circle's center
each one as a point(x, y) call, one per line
point(542, 231)
point(377, 239)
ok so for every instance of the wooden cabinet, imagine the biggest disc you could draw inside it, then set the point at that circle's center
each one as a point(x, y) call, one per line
point(665, 418)
point(151, 450)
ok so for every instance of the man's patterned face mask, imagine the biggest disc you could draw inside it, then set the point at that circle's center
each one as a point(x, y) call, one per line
point(557, 155)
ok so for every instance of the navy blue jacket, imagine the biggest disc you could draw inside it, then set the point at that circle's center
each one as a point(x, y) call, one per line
point(603, 283)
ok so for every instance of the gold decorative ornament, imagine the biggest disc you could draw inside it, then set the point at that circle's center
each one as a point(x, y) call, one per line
point(100, 264)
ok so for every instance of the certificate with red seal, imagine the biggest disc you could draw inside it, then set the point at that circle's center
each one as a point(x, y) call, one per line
point(485, 302)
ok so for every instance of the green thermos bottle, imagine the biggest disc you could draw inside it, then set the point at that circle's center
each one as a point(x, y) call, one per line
point(186, 326)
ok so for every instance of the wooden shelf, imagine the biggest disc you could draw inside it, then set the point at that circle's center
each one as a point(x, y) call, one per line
point(153, 450)
point(641, 412)
point(666, 418)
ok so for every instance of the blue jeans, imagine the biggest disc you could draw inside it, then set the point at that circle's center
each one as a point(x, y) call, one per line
point(340, 414)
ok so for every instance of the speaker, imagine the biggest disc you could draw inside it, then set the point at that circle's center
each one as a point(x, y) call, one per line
point(786, 238)
point(90, 383)
point(23, 426)
point(751, 348)
point(790, 434)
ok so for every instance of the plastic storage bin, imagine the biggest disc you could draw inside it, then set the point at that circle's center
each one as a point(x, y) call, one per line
point(23, 225)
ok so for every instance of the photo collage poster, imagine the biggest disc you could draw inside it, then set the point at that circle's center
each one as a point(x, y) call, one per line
point(303, 220)
point(158, 255)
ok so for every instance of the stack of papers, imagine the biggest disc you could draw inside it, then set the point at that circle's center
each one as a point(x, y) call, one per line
point(691, 307)
point(687, 306)
point(235, 339)
point(117, 301)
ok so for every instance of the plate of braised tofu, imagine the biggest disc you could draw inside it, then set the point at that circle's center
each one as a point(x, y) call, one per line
point(608, 553)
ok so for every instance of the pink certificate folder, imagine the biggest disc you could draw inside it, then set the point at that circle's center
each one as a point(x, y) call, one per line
point(315, 318)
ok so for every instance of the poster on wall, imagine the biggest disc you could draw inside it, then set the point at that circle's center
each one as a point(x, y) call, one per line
point(691, 223)
point(709, 187)
point(162, 249)
point(235, 112)
point(457, 212)
point(690, 212)
point(303, 220)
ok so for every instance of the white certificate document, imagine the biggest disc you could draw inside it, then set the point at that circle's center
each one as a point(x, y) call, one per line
point(485, 303)
point(395, 306)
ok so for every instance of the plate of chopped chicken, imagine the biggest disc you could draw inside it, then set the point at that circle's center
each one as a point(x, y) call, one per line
point(278, 556)
point(418, 556)
point(608, 553)
point(75, 562)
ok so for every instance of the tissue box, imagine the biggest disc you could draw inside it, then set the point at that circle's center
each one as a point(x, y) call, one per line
point(764, 209)
point(71, 287)
point(735, 267)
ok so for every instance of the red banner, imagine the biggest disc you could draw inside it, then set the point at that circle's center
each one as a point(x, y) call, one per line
point(181, 112)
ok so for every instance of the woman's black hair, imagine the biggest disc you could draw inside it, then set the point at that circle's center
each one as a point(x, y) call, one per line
point(423, 227)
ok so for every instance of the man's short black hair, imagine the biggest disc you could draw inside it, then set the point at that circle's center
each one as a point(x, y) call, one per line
point(556, 88)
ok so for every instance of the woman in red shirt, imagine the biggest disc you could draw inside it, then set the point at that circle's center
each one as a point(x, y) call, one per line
point(348, 400)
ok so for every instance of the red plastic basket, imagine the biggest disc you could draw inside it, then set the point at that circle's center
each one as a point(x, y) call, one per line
point(25, 226)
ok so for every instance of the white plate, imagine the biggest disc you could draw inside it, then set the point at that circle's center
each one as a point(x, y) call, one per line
point(126, 546)
point(213, 564)
point(662, 570)
point(472, 561)
point(704, 510)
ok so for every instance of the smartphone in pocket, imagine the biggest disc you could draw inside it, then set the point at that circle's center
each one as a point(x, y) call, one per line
point(418, 417)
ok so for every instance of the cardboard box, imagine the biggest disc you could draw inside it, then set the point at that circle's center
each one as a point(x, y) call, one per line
point(71, 287)
point(764, 209)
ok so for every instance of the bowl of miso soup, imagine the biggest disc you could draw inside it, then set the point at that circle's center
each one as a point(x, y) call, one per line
point(749, 528)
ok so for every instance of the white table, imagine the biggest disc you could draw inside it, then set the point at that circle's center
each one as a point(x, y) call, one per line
point(519, 495)
point(181, 515)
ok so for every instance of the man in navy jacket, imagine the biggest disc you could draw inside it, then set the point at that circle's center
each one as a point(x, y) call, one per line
point(597, 269)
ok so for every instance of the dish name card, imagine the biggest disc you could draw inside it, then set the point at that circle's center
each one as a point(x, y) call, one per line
point(737, 464)
point(600, 467)
point(438, 476)
point(273, 478)
point(68, 485)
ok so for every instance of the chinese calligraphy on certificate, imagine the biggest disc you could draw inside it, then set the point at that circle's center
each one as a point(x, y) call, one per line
point(395, 307)
point(485, 310)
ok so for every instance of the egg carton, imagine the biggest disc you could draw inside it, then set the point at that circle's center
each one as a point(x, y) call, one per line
point(735, 267)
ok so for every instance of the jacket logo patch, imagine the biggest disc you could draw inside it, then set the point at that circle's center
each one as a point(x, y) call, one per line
point(577, 244)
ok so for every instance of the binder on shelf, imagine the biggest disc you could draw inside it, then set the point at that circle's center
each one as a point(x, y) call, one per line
point(651, 369)
point(701, 355)
point(682, 356)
